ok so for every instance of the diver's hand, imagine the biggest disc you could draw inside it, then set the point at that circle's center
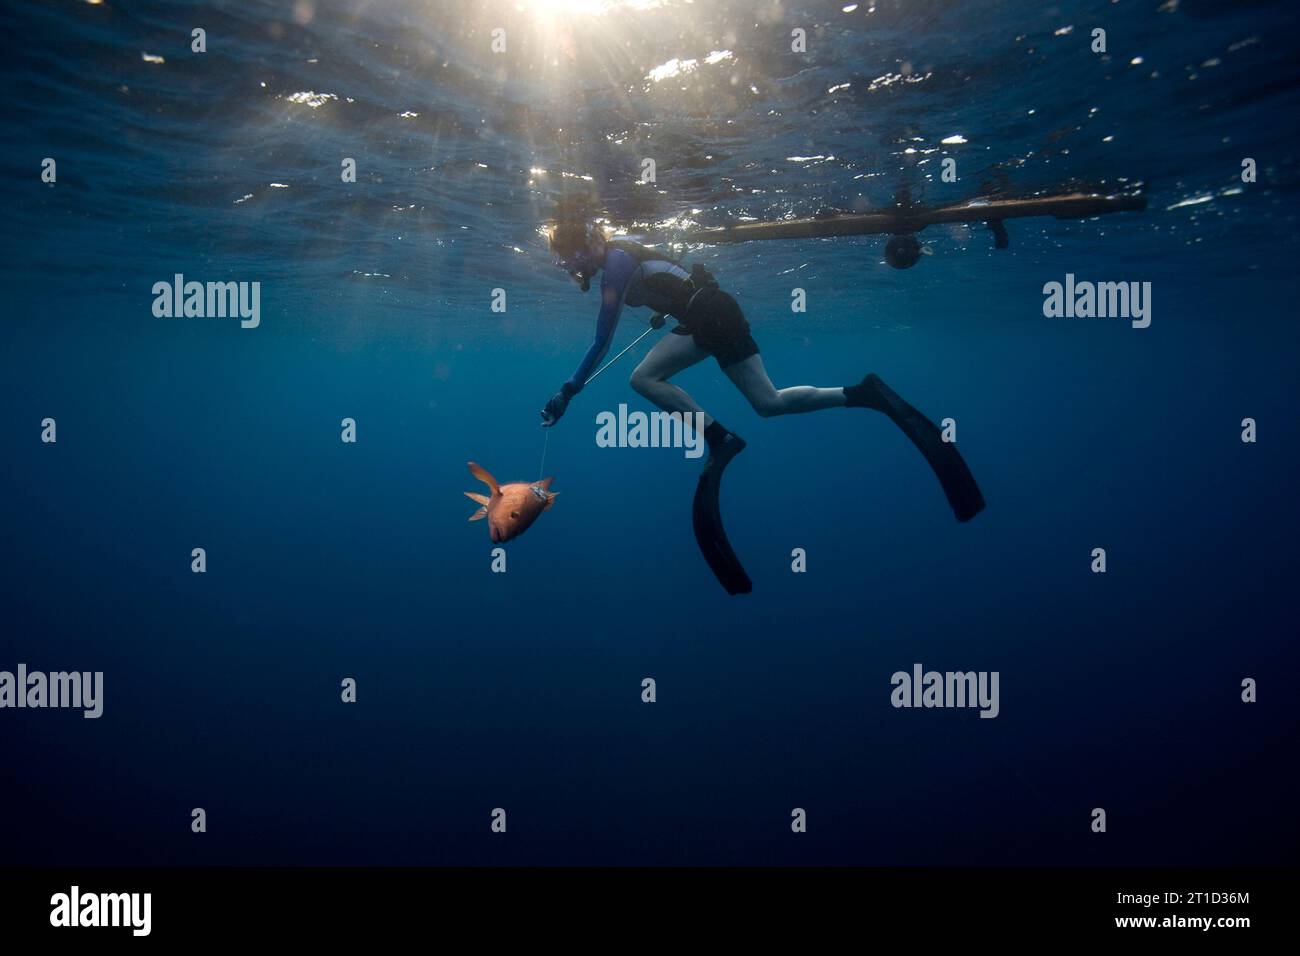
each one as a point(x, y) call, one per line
point(555, 408)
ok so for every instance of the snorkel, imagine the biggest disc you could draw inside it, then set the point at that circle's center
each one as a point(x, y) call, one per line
point(579, 267)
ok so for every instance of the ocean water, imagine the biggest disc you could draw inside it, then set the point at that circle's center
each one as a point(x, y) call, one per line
point(477, 690)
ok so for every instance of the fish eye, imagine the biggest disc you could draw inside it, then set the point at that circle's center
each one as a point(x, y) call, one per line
point(514, 514)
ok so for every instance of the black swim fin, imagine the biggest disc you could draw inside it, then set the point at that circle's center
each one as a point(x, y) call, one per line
point(706, 515)
point(948, 465)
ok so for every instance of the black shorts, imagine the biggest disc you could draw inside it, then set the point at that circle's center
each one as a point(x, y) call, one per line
point(718, 326)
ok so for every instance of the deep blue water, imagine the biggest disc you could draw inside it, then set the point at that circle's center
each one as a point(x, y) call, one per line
point(522, 690)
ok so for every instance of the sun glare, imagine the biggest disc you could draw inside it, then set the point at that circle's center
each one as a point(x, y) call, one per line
point(551, 8)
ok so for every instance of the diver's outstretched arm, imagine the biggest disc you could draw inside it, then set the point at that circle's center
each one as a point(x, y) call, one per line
point(615, 275)
point(614, 278)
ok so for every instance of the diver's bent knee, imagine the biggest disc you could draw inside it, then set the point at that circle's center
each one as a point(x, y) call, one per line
point(768, 409)
point(641, 383)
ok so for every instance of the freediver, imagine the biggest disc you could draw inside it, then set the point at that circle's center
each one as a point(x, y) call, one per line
point(711, 323)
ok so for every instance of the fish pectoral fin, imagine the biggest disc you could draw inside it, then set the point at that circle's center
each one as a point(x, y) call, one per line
point(550, 499)
point(479, 515)
point(481, 499)
point(546, 483)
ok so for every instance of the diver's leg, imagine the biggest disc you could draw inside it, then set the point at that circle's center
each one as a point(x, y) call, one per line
point(650, 379)
point(671, 354)
point(752, 379)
